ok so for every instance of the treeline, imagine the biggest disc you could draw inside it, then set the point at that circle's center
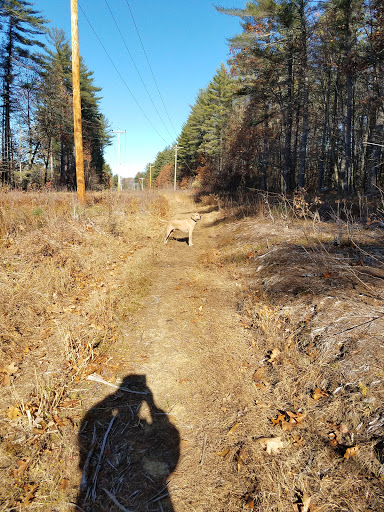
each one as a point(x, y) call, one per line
point(301, 103)
point(37, 144)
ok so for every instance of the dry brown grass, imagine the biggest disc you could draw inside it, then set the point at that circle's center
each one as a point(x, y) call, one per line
point(313, 299)
point(71, 275)
point(305, 367)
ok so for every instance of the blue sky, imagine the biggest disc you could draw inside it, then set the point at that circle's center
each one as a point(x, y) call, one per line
point(185, 42)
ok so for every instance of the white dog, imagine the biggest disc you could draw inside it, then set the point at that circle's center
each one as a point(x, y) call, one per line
point(183, 225)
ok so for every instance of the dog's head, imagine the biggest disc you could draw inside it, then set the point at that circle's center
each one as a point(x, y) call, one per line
point(196, 217)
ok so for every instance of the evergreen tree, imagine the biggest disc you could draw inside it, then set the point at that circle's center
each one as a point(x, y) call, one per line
point(163, 158)
point(21, 26)
point(311, 76)
point(277, 31)
point(94, 127)
point(55, 116)
point(218, 109)
point(192, 135)
point(204, 132)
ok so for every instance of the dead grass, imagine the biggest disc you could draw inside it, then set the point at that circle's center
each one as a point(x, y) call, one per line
point(71, 275)
point(312, 297)
point(310, 300)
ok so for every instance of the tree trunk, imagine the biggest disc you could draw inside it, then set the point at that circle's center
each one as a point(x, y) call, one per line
point(332, 161)
point(63, 170)
point(294, 157)
point(304, 136)
point(305, 97)
point(263, 170)
point(7, 145)
point(324, 136)
point(375, 151)
point(287, 171)
point(346, 168)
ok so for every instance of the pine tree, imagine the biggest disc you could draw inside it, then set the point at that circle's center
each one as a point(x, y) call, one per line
point(192, 135)
point(219, 105)
point(204, 131)
point(94, 127)
point(21, 25)
point(277, 31)
point(55, 115)
point(163, 158)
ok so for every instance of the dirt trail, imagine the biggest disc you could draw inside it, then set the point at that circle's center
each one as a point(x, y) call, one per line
point(189, 344)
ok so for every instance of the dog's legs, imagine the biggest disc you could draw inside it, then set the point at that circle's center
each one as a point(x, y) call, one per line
point(190, 238)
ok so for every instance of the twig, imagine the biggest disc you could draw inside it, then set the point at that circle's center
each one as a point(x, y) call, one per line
point(166, 495)
point(373, 144)
point(95, 476)
point(97, 378)
point(83, 484)
point(347, 269)
point(115, 501)
point(358, 325)
point(155, 497)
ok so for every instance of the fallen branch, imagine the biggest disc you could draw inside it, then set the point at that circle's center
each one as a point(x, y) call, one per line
point(95, 476)
point(97, 378)
point(83, 484)
point(358, 325)
point(115, 501)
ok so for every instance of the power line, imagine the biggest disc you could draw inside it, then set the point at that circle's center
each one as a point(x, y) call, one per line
point(121, 77)
point(150, 67)
point(124, 82)
point(137, 70)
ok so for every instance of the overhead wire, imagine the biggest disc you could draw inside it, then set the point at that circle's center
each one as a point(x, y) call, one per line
point(154, 78)
point(121, 77)
point(124, 82)
point(137, 70)
point(150, 67)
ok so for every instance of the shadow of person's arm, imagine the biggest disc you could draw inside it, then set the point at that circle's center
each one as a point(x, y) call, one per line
point(165, 432)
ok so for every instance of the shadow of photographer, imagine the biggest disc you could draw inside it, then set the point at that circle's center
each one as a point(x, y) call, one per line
point(128, 449)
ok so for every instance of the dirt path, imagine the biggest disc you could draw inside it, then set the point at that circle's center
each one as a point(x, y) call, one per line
point(189, 345)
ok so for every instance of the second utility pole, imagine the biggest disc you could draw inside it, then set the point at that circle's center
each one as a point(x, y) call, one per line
point(174, 179)
point(118, 156)
point(77, 103)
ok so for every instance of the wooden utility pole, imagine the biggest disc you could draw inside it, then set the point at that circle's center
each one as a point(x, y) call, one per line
point(77, 102)
point(174, 179)
point(118, 157)
point(150, 175)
